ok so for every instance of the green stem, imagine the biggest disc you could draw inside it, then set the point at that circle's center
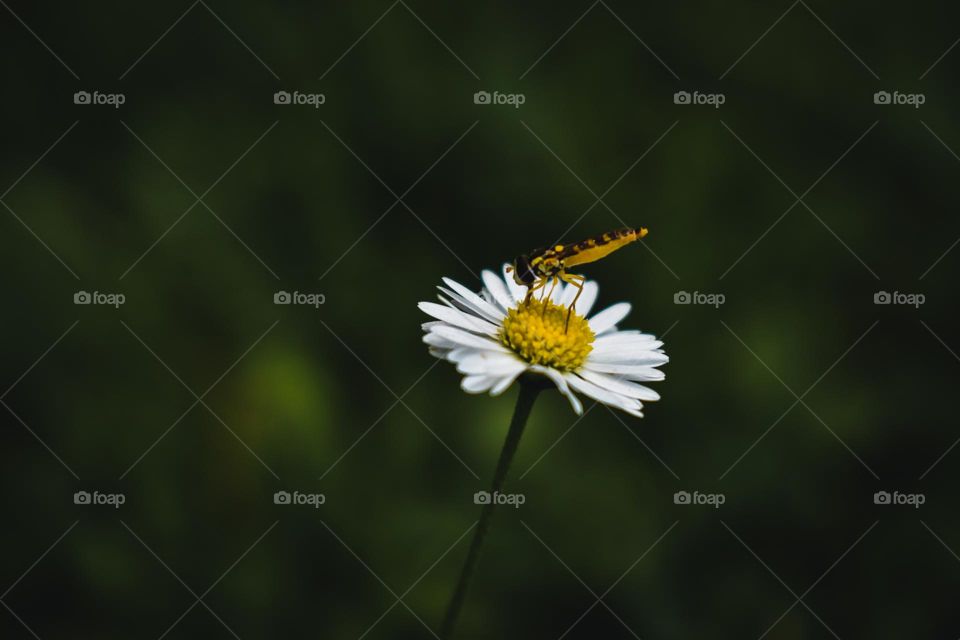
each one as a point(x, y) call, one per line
point(529, 389)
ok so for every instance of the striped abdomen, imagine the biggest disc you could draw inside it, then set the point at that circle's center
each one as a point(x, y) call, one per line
point(592, 249)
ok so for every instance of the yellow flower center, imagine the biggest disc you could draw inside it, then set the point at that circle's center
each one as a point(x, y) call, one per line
point(538, 332)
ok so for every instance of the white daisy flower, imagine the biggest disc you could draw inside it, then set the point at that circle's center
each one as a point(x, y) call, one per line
point(493, 338)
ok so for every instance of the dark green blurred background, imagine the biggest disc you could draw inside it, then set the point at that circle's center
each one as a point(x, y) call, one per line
point(306, 399)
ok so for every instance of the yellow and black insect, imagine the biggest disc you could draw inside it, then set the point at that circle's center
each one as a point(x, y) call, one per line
point(544, 266)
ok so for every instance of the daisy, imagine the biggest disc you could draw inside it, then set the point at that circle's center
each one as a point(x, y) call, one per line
point(493, 337)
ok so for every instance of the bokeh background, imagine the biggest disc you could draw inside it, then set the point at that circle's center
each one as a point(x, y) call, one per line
point(199, 398)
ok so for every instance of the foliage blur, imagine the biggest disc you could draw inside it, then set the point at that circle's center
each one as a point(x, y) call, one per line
point(797, 399)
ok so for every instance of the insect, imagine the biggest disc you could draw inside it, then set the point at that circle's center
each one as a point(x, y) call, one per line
point(545, 266)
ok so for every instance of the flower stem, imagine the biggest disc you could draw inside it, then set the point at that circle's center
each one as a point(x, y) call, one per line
point(529, 389)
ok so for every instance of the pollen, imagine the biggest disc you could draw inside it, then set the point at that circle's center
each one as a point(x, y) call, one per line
point(538, 332)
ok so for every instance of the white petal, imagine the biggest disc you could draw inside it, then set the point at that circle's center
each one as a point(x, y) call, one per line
point(562, 386)
point(477, 384)
point(619, 368)
point(627, 372)
point(637, 413)
point(486, 295)
point(458, 354)
point(517, 292)
point(459, 337)
point(634, 349)
point(457, 318)
point(459, 303)
point(641, 357)
point(438, 341)
point(473, 301)
point(505, 382)
point(613, 341)
point(497, 289)
point(586, 300)
point(454, 351)
point(604, 395)
point(627, 352)
point(618, 385)
point(490, 364)
point(648, 375)
point(626, 337)
point(609, 317)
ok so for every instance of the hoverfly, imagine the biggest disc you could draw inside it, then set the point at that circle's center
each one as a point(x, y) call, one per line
point(544, 266)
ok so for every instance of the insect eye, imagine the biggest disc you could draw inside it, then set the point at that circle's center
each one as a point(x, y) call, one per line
point(523, 274)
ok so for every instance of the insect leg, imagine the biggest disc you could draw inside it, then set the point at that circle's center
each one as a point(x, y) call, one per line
point(549, 296)
point(539, 284)
point(577, 281)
